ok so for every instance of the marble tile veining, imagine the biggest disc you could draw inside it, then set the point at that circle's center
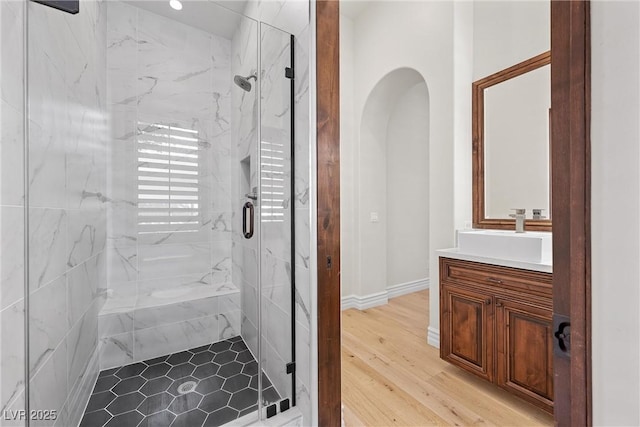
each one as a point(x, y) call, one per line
point(11, 85)
point(12, 336)
point(12, 354)
point(11, 147)
point(49, 386)
point(48, 320)
point(116, 350)
point(12, 259)
point(82, 341)
point(47, 245)
point(82, 289)
point(68, 146)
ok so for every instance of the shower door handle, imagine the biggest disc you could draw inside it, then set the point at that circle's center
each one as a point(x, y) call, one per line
point(247, 210)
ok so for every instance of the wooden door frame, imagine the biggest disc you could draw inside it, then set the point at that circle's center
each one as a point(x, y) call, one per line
point(328, 210)
point(571, 189)
point(571, 205)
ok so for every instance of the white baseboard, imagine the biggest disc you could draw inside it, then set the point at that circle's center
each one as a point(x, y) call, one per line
point(381, 298)
point(365, 302)
point(433, 337)
point(407, 288)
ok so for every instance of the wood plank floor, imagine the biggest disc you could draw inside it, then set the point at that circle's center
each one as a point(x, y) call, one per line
point(392, 377)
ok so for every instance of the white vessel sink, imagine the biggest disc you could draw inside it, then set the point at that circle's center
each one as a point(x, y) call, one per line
point(527, 247)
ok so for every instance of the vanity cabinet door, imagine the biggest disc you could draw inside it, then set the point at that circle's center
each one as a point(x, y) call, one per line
point(467, 329)
point(524, 348)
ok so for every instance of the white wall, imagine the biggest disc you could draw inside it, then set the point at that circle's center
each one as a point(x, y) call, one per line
point(408, 187)
point(382, 182)
point(371, 191)
point(463, 73)
point(377, 33)
point(348, 175)
point(615, 195)
point(505, 33)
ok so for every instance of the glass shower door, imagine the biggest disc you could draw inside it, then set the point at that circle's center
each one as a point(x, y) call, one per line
point(276, 219)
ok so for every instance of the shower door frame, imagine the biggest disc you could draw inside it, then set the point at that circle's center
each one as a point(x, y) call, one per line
point(571, 187)
point(289, 74)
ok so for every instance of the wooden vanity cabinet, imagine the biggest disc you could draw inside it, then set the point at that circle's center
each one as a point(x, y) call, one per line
point(524, 351)
point(467, 323)
point(496, 322)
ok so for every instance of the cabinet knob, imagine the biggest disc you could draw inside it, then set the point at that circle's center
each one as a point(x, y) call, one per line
point(494, 280)
point(487, 301)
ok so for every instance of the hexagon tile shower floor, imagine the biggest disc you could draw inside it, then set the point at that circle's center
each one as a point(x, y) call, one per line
point(205, 386)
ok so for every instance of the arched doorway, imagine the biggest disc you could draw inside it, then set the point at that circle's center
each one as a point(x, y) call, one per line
point(386, 251)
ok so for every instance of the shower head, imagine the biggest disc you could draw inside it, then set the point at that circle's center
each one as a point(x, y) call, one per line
point(243, 82)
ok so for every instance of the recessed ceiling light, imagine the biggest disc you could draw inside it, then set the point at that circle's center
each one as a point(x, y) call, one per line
point(176, 4)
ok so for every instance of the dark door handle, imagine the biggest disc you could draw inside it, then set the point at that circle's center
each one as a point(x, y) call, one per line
point(247, 209)
point(562, 335)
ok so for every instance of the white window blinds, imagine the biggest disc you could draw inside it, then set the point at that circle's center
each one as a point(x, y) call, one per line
point(168, 179)
point(272, 200)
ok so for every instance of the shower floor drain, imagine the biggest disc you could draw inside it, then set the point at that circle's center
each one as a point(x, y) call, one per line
point(187, 387)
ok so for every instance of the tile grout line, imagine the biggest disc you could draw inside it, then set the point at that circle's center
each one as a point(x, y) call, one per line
point(179, 361)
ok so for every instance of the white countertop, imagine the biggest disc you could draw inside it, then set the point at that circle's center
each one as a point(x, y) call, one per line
point(456, 254)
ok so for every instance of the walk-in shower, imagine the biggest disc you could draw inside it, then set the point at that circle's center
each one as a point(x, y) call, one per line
point(149, 157)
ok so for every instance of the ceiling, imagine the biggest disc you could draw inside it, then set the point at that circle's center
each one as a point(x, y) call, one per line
point(220, 18)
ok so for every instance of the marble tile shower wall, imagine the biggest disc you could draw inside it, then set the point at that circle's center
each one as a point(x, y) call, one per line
point(67, 214)
point(11, 211)
point(165, 77)
point(244, 131)
point(292, 16)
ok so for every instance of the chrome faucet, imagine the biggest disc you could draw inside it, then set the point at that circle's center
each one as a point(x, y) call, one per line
point(519, 216)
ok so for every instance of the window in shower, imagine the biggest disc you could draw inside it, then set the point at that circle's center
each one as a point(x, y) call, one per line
point(272, 200)
point(168, 171)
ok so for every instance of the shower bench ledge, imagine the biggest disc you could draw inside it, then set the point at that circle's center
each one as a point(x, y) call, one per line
point(136, 328)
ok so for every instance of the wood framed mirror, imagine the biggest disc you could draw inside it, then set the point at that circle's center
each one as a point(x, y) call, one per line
point(511, 145)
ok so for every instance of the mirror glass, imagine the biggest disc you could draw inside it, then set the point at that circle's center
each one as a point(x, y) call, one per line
point(516, 144)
